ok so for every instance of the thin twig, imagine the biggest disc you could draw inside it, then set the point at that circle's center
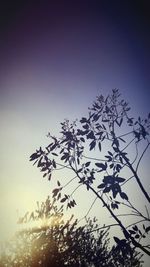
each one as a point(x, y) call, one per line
point(88, 210)
point(135, 223)
point(103, 227)
point(136, 154)
point(127, 214)
point(64, 166)
point(135, 175)
point(127, 180)
point(142, 156)
point(75, 189)
point(128, 144)
point(70, 181)
point(147, 212)
point(125, 134)
point(93, 158)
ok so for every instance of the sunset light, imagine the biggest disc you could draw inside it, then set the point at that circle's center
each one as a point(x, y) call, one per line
point(70, 145)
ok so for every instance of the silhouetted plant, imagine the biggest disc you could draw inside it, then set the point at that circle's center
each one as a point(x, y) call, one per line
point(97, 150)
point(56, 243)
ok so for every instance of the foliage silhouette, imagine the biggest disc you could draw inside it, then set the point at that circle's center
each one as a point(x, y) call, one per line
point(56, 243)
point(104, 151)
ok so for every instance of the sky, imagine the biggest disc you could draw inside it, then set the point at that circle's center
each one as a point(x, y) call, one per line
point(56, 57)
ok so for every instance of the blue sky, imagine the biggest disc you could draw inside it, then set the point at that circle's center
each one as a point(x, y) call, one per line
point(55, 59)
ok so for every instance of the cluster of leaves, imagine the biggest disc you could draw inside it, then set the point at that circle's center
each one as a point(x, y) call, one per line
point(59, 244)
point(139, 233)
point(112, 183)
point(100, 130)
point(56, 194)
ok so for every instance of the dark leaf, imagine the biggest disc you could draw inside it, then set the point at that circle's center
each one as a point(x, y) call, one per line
point(132, 232)
point(101, 186)
point(86, 126)
point(53, 147)
point(58, 183)
point(137, 236)
point(144, 133)
point(78, 161)
point(87, 187)
point(137, 135)
point(115, 190)
point(63, 200)
point(80, 170)
point(130, 121)
point(49, 177)
point(118, 167)
point(140, 232)
point(117, 240)
point(92, 144)
point(123, 196)
point(96, 117)
point(115, 149)
point(108, 179)
point(113, 206)
point(87, 164)
point(55, 192)
point(121, 160)
point(122, 139)
point(107, 189)
point(135, 228)
point(111, 166)
point(54, 154)
point(83, 120)
point(74, 202)
point(35, 162)
point(68, 205)
point(54, 163)
point(44, 169)
point(40, 164)
point(82, 139)
point(111, 154)
point(107, 109)
point(91, 135)
point(65, 156)
point(104, 126)
point(34, 156)
point(109, 158)
point(116, 143)
point(99, 146)
point(80, 132)
point(147, 229)
point(119, 179)
point(102, 166)
point(62, 150)
point(117, 202)
point(59, 196)
point(116, 206)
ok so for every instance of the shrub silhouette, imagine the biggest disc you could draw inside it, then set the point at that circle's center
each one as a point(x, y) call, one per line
point(56, 243)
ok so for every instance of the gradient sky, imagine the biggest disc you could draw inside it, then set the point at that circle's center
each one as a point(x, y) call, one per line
point(54, 60)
